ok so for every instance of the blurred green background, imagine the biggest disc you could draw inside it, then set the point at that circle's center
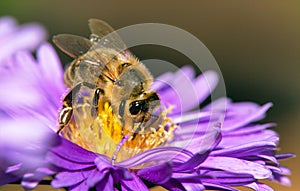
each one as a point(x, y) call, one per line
point(256, 44)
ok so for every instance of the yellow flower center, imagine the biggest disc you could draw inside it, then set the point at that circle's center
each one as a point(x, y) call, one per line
point(104, 133)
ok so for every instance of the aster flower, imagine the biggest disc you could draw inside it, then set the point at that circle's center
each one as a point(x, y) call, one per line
point(193, 149)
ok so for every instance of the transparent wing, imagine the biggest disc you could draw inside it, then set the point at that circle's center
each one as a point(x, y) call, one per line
point(105, 35)
point(72, 45)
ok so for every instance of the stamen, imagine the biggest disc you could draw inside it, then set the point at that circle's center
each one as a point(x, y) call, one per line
point(105, 134)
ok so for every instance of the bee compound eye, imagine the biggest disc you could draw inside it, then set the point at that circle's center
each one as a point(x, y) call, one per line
point(136, 107)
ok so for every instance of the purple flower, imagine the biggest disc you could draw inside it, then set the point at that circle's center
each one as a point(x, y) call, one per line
point(194, 149)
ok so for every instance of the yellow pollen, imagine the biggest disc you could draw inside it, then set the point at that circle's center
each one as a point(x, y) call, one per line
point(102, 134)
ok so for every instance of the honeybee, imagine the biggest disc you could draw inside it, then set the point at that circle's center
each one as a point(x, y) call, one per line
point(103, 64)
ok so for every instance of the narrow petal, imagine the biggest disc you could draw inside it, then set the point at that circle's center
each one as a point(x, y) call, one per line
point(227, 178)
point(174, 185)
point(73, 152)
point(133, 184)
point(245, 114)
point(263, 187)
point(158, 174)
point(196, 160)
point(94, 177)
point(252, 148)
point(7, 26)
point(237, 166)
point(193, 186)
point(198, 90)
point(65, 179)
point(166, 80)
point(216, 186)
point(107, 183)
point(262, 136)
point(79, 187)
point(28, 37)
point(51, 67)
point(248, 129)
point(31, 180)
point(202, 142)
point(162, 154)
point(66, 163)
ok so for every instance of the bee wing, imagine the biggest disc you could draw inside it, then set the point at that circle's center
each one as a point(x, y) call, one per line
point(72, 45)
point(105, 35)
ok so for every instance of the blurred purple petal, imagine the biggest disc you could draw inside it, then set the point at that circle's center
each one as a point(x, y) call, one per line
point(25, 37)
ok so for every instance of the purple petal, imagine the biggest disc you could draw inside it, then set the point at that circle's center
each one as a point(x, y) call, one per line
point(284, 156)
point(174, 185)
point(190, 117)
point(214, 186)
point(31, 180)
point(205, 84)
point(27, 37)
point(162, 154)
point(7, 26)
point(158, 174)
point(226, 178)
point(160, 82)
point(285, 171)
point(107, 183)
point(165, 81)
point(263, 187)
point(248, 129)
point(199, 143)
point(196, 160)
point(237, 166)
point(103, 164)
point(73, 152)
point(7, 178)
point(234, 141)
point(26, 141)
point(198, 89)
point(133, 184)
point(253, 186)
point(67, 163)
point(33, 94)
point(79, 187)
point(94, 177)
point(193, 186)
point(245, 114)
point(66, 179)
point(51, 68)
point(252, 148)
point(278, 175)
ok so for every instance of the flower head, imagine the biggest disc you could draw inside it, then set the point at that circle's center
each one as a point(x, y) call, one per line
point(191, 149)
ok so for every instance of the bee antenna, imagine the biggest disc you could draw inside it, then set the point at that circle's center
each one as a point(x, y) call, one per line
point(118, 148)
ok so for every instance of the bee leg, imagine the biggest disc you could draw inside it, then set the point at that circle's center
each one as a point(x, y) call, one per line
point(121, 114)
point(138, 129)
point(66, 112)
point(98, 93)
